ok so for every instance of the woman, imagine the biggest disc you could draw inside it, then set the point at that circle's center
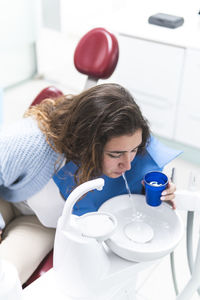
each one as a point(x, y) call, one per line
point(100, 132)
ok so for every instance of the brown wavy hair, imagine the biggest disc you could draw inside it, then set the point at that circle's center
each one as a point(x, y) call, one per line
point(79, 126)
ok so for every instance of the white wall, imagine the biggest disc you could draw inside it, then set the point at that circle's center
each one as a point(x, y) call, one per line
point(63, 24)
point(55, 48)
point(17, 37)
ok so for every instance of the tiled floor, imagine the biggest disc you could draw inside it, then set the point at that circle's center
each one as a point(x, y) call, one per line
point(154, 283)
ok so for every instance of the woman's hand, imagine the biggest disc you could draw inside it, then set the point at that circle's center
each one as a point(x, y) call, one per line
point(168, 194)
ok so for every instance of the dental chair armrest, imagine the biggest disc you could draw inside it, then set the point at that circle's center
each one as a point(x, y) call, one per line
point(187, 200)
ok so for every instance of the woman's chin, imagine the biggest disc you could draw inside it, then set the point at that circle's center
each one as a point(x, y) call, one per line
point(115, 174)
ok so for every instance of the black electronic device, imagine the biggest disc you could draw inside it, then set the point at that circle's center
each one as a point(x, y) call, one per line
point(166, 20)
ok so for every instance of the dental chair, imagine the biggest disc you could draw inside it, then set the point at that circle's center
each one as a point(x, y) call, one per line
point(96, 55)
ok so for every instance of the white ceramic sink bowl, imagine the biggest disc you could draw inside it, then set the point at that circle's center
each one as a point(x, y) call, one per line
point(165, 223)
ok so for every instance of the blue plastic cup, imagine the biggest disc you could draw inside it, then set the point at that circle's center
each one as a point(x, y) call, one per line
point(155, 182)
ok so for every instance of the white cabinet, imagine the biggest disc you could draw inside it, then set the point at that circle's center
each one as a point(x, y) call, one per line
point(188, 118)
point(152, 73)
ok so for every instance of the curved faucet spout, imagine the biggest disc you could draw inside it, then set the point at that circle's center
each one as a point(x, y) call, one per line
point(76, 194)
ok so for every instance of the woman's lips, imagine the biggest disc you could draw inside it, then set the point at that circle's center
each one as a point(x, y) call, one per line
point(118, 173)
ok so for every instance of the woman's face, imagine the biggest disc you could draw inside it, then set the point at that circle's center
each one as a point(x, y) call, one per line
point(119, 152)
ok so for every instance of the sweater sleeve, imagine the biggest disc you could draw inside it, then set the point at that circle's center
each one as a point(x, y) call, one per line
point(16, 154)
point(2, 223)
point(1, 179)
point(27, 162)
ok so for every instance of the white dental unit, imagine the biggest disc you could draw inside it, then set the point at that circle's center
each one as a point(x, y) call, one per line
point(97, 258)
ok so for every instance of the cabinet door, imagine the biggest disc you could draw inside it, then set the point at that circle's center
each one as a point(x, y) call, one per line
point(188, 120)
point(152, 73)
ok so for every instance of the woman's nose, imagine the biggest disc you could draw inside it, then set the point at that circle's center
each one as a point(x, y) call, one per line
point(127, 159)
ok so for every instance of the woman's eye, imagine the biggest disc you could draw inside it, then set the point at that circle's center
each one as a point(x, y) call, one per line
point(134, 150)
point(114, 155)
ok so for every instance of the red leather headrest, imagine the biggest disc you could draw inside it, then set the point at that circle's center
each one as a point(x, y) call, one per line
point(97, 53)
point(48, 92)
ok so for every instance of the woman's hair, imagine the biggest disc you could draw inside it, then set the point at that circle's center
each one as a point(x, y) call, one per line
point(79, 126)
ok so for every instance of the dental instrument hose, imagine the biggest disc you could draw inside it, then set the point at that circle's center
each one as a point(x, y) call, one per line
point(189, 246)
point(190, 222)
point(172, 263)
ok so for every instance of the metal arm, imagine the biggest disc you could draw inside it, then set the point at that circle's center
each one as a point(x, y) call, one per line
point(194, 282)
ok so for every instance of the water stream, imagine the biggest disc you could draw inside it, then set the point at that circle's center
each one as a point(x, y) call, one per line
point(137, 230)
point(136, 215)
point(127, 186)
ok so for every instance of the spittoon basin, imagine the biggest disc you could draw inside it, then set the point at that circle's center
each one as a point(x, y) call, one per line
point(164, 228)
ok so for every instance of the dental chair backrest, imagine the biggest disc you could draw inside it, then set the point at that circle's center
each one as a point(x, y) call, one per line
point(96, 55)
